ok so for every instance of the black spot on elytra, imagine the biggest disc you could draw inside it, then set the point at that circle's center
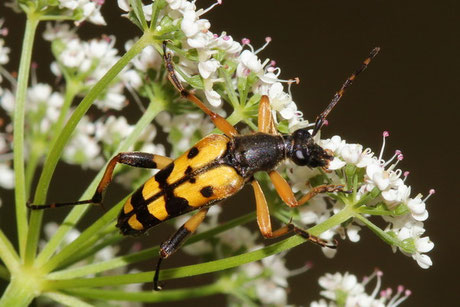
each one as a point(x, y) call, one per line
point(163, 174)
point(192, 180)
point(207, 191)
point(137, 199)
point(188, 170)
point(192, 152)
point(176, 206)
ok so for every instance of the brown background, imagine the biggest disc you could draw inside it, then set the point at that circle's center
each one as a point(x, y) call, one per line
point(408, 90)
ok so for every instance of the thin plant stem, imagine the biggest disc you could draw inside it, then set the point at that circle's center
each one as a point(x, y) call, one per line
point(18, 130)
point(66, 300)
point(202, 268)
point(149, 296)
point(121, 261)
point(8, 254)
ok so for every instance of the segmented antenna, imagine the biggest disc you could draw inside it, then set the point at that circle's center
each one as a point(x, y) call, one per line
point(322, 117)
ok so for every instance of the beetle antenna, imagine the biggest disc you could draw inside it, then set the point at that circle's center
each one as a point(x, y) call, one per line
point(320, 120)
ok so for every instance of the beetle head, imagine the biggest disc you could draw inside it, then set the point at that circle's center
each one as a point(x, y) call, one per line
point(303, 150)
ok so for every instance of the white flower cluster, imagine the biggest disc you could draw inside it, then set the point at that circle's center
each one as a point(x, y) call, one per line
point(87, 61)
point(6, 171)
point(221, 51)
point(4, 51)
point(378, 174)
point(93, 141)
point(85, 9)
point(345, 290)
point(184, 130)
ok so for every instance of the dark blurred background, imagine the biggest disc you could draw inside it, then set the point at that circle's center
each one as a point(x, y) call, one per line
point(410, 89)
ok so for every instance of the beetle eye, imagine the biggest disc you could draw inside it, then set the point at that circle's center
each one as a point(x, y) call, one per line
point(299, 154)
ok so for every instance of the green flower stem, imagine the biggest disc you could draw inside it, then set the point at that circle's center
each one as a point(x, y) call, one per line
point(90, 250)
point(58, 147)
point(379, 232)
point(233, 98)
point(202, 268)
point(150, 253)
point(149, 296)
point(72, 89)
point(334, 220)
point(7, 253)
point(18, 129)
point(32, 163)
point(66, 300)
point(77, 212)
point(20, 292)
point(73, 247)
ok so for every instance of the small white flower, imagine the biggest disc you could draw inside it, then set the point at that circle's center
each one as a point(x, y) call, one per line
point(6, 176)
point(207, 68)
point(248, 62)
point(4, 51)
point(418, 208)
point(73, 55)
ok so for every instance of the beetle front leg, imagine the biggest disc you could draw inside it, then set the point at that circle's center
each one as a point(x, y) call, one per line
point(170, 246)
point(264, 222)
point(135, 159)
point(285, 192)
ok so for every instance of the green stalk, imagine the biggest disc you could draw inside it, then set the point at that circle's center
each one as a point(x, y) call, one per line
point(334, 220)
point(18, 293)
point(72, 89)
point(149, 296)
point(202, 268)
point(18, 130)
point(66, 300)
point(32, 163)
point(58, 146)
point(150, 253)
point(77, 212)
point(7, 253)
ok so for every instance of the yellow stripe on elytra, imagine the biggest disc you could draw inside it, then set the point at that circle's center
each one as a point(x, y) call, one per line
point(134, 223)
point(151, 187)
point(224, 181)
point(127, 208)
point(209, 148)
point(157, 208)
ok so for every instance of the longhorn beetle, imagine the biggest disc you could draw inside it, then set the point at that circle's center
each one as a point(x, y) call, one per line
point(216, 168)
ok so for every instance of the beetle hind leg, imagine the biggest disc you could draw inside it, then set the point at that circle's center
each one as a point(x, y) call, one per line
point(171, 245)
point(135, 159)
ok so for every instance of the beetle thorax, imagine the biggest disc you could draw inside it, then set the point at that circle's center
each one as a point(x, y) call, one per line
point(252, 153)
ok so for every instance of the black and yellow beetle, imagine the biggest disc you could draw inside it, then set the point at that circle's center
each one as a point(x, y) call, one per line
point(216, 168)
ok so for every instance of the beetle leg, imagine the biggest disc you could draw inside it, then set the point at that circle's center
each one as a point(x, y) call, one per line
point(286, 194)
point(135, 159)
point(265, 119)
point(170, 246)
point(264, 222)
point(220, 122)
